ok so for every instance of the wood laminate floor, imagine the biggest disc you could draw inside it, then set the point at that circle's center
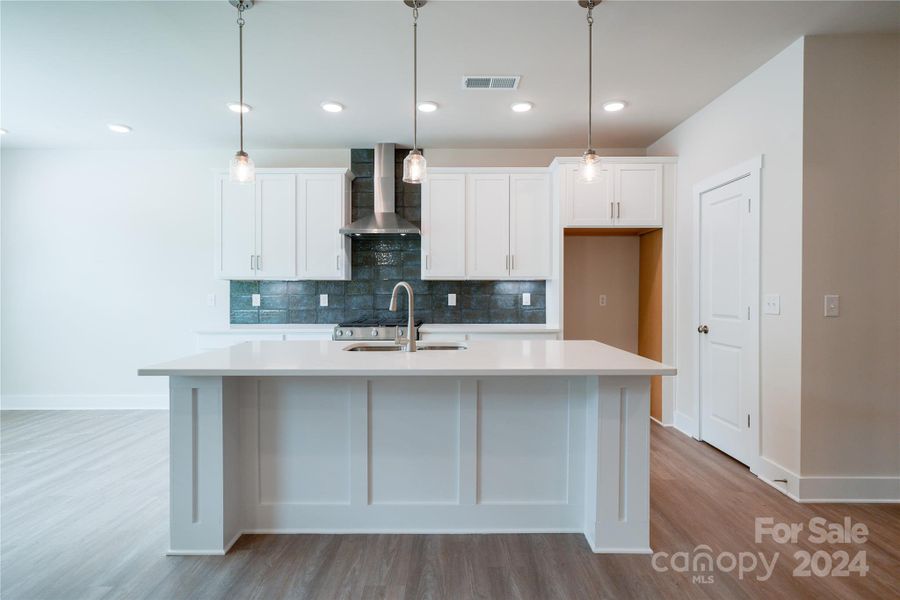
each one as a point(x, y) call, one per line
point(85, 516)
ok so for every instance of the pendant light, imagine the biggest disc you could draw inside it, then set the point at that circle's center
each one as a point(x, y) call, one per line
point(241, 169)
point(590, 161)
point(414, 167)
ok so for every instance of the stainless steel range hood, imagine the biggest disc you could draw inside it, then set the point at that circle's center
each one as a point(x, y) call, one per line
point(384, 221)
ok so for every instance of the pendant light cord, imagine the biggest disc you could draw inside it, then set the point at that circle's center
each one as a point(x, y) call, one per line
point(415, 74)
point(240, 23)
point(590, 21)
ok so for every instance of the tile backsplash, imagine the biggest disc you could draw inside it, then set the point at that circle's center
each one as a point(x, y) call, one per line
point(378, 264)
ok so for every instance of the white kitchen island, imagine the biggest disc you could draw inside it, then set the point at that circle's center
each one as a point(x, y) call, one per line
point(505, 436)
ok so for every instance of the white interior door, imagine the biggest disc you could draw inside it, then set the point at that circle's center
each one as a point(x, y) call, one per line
point(276, 233)
point(444, 227)
point(235, 229)
point(529, 234)
point(487, 226)
point(728, 328)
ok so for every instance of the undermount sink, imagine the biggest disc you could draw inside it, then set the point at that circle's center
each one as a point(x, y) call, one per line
point(396, 348)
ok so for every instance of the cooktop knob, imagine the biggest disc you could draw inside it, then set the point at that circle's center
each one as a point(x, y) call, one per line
point(374, 333)
point(340, 332)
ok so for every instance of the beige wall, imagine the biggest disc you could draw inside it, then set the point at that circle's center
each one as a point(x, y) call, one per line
point(760, 115)
point(602, 265)
point(850, 408)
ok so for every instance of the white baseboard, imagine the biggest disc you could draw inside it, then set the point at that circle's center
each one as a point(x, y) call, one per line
point(812, 489)
point(84, 401)
point(685, 424)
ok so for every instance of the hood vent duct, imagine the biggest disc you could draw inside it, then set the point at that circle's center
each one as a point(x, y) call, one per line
point(384, 221)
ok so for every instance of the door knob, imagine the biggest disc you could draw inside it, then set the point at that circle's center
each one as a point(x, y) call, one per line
point(703, 329)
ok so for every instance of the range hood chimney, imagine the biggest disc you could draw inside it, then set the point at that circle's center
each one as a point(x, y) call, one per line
point(384, 221)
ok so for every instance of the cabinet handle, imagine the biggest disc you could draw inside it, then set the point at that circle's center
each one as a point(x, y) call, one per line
point(427, 262)
point(618, 210)
point(512, 262)
point(507, 262)
point(259, 262)
point(252, 262)
point(610, 211)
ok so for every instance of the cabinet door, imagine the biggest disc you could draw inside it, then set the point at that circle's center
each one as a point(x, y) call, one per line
point(444, 227)
point(638, 195)
point(276, 232)
point(321, 247)
point(487, 226)
point(588, 204)
point(529, 226)
point(235, 217)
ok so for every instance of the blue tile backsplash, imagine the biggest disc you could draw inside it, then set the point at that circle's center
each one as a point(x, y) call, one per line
point(378, 264)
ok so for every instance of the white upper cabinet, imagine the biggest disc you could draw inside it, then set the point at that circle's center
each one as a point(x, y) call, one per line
point(235, 213)
point(487, 226)
point(588, 204)
point(638, 194)
point(624, 195)
point(322, 252)
point(283, 226)
point(276, 237)
point(444, 226)
point(529, 226)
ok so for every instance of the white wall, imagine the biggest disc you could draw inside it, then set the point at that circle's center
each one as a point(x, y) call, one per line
point(760, 115)
point(851, 232)
point(107, 261)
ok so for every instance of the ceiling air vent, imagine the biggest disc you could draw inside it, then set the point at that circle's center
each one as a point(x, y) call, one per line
point(491, 82)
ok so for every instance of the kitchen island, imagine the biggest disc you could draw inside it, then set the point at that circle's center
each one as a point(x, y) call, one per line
point(496, 436)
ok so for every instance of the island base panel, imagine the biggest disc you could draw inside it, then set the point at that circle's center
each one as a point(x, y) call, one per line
point(409, 455)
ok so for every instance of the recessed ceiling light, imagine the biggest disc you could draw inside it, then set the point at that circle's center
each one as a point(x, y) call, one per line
point(522, 106)
point(332, 107)
point(428, 106)
point(239, 108)
point(613, 106)
point(3, 131)
point(119, 128)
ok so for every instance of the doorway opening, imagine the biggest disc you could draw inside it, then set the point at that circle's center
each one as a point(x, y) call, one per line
point(613, 293)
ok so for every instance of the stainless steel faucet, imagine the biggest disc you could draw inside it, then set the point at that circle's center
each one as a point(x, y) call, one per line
point(409, 344)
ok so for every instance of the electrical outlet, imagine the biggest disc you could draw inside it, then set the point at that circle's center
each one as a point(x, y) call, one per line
point(451, 299)
point(602, 299)
point(832, 305)
point(772, 304)
point(255, 300)
point(526, 299)
point(210, 300)
point(323, 299)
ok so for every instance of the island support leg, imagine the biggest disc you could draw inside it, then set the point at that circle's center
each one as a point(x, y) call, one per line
point(617, 477)
point(203, 439)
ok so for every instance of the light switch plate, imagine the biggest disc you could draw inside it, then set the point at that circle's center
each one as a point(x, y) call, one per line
point(255, 300)
point(323, 299)
point(832, 305)
point(210, 300)
point(772, 304)
point(451, 299)
point(602, 299)
point(526, 299)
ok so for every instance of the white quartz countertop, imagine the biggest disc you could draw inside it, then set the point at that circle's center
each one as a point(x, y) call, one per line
point(426, 328)
point(480, 358)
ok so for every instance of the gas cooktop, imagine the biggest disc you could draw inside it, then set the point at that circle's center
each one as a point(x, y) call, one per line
point(371, 328)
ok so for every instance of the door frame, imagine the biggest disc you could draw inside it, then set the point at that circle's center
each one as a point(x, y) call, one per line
point(753, 169)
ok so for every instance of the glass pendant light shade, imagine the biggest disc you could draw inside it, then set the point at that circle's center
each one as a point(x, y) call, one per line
point(590, 167)
point(242, 169)
point(414, 167)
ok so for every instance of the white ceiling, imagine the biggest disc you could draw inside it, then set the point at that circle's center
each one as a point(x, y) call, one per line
point(168, 68)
